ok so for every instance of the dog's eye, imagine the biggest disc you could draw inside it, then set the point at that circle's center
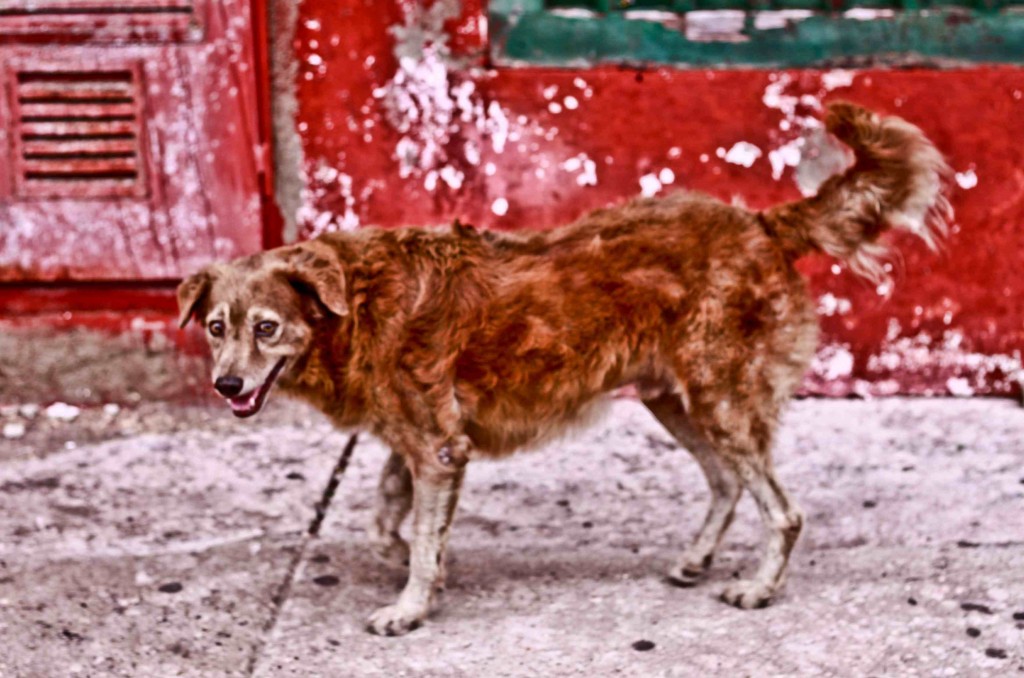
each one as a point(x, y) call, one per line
point(266, 328)
point(216, 328)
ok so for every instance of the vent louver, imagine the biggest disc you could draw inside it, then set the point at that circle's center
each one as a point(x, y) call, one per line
point(78, 134)
point(100, 20)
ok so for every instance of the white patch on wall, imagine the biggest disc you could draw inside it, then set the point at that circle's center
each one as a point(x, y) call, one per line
point(868, 14)
point(960, 387)
point(500, 207)
point(62, 412)
point(836, 78)
point(971, 370)
point(325, 187)
point(801, 136)
point(586, 167)
point(719, 25)
point(649, 185)
point(666, 176)
point(966, 180)
point(429, 106)
point(830, 305)
point(743, 153)
point(770, 20)
point(833, 362)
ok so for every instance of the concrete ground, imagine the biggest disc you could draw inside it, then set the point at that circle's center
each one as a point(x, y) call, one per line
point(169, 540)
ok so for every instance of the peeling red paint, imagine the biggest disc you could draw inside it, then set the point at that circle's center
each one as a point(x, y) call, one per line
point(530, 148)
point(635, 123)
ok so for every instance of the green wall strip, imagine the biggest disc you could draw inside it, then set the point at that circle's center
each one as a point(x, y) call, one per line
point(577, 33)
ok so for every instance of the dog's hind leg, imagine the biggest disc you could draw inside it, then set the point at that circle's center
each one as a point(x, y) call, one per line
point(723, 482)
point(741, 427)
point(783, 521)
point(435, 495)
point(394, 501)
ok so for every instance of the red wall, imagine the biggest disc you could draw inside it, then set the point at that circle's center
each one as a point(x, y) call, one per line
point(954, 322)
point(439, 134)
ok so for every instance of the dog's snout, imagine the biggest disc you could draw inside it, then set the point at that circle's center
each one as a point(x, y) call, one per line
point(228, 386)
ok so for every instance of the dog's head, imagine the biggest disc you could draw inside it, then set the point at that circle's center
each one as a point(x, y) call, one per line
point(260, 314)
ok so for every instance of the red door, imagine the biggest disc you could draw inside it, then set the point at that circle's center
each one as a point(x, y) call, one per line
point(130, 144)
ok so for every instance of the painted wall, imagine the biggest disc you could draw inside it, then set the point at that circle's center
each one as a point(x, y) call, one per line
point(387, 113)
point(400, 121)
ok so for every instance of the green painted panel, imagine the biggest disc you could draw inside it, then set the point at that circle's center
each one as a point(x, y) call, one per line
point(819, 5)
point(524, 32)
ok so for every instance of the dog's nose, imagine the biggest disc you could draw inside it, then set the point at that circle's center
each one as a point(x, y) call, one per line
point(228, 386)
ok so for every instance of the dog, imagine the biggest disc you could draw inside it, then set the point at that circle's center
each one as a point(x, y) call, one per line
point(455, 344)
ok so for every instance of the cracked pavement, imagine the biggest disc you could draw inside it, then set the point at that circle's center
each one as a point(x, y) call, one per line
point(175, 540)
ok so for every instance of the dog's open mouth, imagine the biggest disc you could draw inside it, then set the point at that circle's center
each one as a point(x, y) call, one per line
point(250, 403)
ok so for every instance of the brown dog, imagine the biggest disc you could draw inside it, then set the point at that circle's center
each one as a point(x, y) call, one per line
point(457, 344)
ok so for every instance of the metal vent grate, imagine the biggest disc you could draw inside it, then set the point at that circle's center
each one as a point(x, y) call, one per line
point(78, 134)
point(98, 19)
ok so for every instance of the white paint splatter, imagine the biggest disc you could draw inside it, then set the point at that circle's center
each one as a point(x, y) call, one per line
point(649, 185)
point(743, 153)
point(960, 387)
point(833, 362)
point(500, 207)
point(324, 187)
point(868, 14)
point(769, 20)
point(830, 305)
point(586, 167)
point(429, 105)
point(63, 412)
point(452, 177)
point(571, 103)
point(666, 176)
point(719, 25)
point(836, 78)
point(786, 155)
point(922, 352)
point(966, 180)
point(472, 152)
point(14, 430)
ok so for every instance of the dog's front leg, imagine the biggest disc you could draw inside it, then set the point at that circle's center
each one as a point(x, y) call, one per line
point(435, 494)
point(394, 499)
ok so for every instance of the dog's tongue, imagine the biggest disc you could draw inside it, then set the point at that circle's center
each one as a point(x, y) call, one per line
point(246, 402)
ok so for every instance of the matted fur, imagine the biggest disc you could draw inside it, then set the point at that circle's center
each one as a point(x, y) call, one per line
point(455, 344)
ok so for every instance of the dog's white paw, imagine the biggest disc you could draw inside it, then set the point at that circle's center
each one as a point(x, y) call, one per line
point(394, 620)
point(392, 550)
point(688, 572)
point(748, 594)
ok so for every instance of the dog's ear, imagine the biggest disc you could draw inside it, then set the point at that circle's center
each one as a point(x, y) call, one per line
point(316, 266)
point(191, 292)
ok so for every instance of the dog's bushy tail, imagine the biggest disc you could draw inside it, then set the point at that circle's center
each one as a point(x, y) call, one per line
point(897, 181)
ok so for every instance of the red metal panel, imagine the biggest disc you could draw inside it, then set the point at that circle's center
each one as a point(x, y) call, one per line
point(197, 190)
point(101, 20)
point(76, 134)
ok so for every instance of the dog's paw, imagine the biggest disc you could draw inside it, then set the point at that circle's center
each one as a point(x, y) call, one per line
point(748, 594)
point(394, 620)
point(391, 550)
point(688, 572)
